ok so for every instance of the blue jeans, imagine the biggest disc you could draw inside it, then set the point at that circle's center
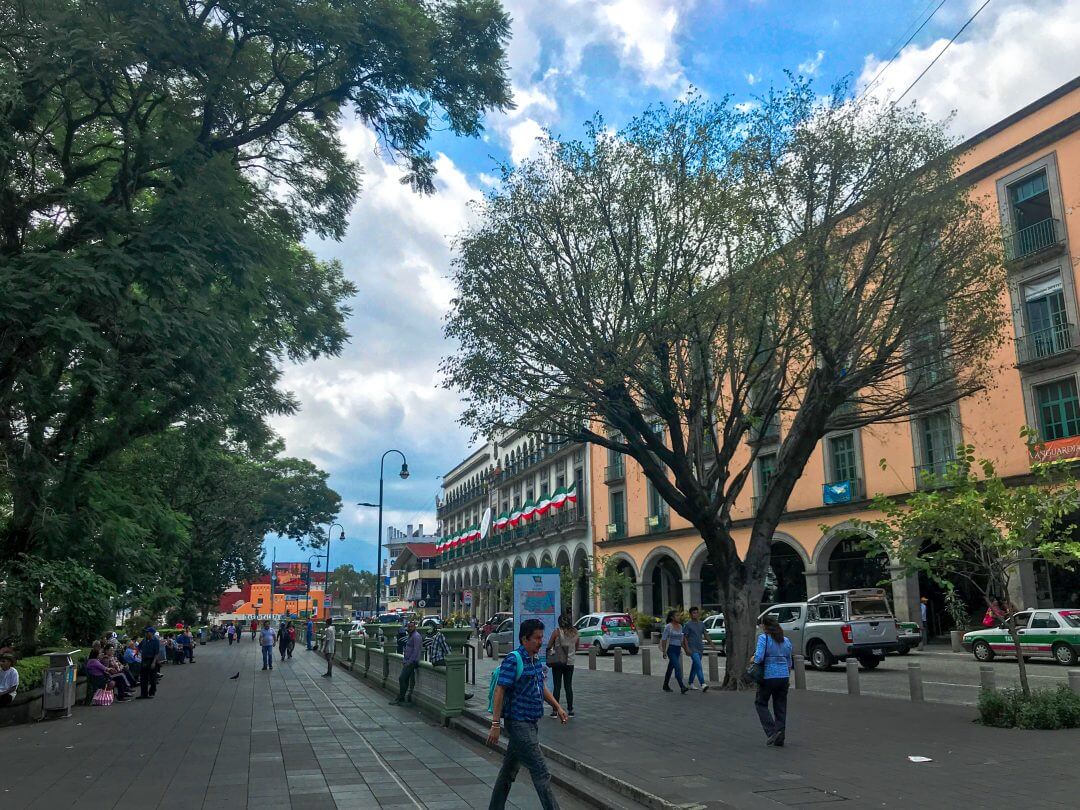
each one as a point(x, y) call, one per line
point(268, 656)
point(674, 664)
point(695, 669)
point(523, 748)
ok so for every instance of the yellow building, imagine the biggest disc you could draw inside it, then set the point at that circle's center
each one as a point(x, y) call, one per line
point(1030, 164)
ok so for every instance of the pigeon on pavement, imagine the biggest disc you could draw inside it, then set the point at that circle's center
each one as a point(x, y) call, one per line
point(234, 677)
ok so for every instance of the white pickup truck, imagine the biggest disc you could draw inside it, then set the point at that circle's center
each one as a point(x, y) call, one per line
point(838, 625)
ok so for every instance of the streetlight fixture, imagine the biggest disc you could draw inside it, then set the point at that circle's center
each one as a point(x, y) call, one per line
point(403, 474)
point(329, 537)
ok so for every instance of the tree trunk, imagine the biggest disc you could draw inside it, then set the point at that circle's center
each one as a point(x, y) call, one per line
point(741, 600)
point(1024, 685)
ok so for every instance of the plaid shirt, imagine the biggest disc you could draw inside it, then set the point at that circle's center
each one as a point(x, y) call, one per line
point(438, 649)
point(527, 694)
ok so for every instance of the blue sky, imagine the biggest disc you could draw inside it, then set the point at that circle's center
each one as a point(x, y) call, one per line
point(570, 59)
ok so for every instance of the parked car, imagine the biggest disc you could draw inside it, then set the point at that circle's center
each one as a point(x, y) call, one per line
point(1048, 633)
point(429, 622)
point(908, 636)
point(605, 631)
point(714, 629)
point(838, 625)
point(492, 624)
point(503, 634)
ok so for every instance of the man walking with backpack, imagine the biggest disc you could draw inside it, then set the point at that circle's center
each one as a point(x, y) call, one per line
point(517, 693)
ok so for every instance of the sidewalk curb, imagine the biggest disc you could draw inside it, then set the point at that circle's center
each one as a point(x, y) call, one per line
point(475, 725)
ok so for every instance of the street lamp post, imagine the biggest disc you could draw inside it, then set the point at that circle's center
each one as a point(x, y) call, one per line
point(329, 538)
point(378, 558)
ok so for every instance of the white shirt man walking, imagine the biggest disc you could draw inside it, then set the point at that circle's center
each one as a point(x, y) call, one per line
point(329, 643)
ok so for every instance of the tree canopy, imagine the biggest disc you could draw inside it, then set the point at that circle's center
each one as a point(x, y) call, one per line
point(671, 290)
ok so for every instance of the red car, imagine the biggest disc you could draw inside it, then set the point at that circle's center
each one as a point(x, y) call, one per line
point(489, 626)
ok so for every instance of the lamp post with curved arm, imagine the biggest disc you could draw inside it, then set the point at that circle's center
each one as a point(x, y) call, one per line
point(329, 537)
point(404, 473)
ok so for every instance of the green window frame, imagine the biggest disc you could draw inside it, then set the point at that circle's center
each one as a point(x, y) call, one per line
point(936, 437)
point(1058, 408)
point(617, 508)
point(843, 465)
point(766, 470)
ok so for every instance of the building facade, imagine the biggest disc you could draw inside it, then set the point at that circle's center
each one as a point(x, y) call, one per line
point(1029, 164)
point(256, 600)
point(417, 578)
point(540, 489)
point(393, 544)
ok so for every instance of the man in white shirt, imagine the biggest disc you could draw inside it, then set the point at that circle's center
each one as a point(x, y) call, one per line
point(9, 679)
point(266, 639)
point(329, 643)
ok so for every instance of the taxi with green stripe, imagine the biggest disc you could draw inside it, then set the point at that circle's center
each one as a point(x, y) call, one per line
point(1043, 633)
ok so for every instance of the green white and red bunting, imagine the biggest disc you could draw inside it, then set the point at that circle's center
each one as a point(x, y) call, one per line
point(530, 510)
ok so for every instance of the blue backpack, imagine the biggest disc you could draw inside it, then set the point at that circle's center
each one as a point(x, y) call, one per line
point(520, 665)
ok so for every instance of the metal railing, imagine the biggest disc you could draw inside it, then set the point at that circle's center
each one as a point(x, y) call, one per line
point(1032, 239)
point(1046, 343)
point(931, 476)
point(614, 472)
point(616, 530)
point(656, 523)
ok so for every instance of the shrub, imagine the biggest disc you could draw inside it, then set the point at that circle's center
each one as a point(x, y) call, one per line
point(643, 621)
point(1046, 709)
point(32, 668)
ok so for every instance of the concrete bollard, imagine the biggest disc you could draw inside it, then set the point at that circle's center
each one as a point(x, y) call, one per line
point(714, 668)
point(914, 673)
point(800, 671)
point(592, 657)
point(852, 666)
point(986, 677)
point(956, 639)
point(646, 661)
point(1074, 680)
point(618, 659)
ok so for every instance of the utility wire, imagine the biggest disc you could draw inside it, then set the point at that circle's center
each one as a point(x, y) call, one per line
point(947, 44)
point(907, 42)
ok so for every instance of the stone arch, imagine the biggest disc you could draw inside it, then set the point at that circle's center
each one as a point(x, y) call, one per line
point(580, 570)
point(840, 563)
point(545, 560)
point(662, 574)
point(530, 561)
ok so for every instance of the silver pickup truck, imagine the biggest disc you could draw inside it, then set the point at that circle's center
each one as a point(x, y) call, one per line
point(838, 625)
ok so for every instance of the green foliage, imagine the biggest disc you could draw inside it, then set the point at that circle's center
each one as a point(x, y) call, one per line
point(160, 166)
point(614, 584)
point(32, 669)
point(1048, 709)
point(645, 622)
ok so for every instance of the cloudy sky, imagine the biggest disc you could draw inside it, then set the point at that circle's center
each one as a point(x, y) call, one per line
point(570, 59)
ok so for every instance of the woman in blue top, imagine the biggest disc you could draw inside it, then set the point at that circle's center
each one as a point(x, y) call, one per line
point(672, 646)
point(774, 653)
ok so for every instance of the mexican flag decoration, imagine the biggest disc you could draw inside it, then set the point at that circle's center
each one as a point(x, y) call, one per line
point(563, 496)
point(515, 516)
point(528, 511)
point(543, 506)
point(502, 521)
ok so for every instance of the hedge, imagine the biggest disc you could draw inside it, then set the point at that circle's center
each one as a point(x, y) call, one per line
point(1048, 709)
point(32, 669)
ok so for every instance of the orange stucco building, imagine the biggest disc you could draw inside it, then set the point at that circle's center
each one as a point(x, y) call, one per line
point(1027, 167)
point(253, 600)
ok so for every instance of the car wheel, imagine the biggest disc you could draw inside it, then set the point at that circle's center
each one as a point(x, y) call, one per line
point(820, 657)
point(599, 648)
point(869, 662)
point(1064, 654)
point(982, 652)
point(488, 649)
point(903, 649)
point(633, 650)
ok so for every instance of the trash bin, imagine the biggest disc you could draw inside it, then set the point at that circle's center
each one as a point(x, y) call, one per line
point(59, 685)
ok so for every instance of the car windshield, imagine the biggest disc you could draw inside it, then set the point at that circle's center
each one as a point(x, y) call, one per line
point(1071, 617)
point(618, 622)
point(869, 606)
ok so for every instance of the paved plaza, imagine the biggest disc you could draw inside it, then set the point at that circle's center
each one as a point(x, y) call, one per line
point(267, 741)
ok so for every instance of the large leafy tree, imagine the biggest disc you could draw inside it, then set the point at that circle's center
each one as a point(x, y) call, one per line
point(671, 291)
point(159, 163)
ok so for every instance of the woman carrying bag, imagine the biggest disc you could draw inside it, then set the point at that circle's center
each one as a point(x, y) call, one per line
point(771, 669)
point(561, 648)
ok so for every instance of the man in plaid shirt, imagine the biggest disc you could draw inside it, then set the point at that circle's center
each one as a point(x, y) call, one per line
point(527, 695)
point(437, 648)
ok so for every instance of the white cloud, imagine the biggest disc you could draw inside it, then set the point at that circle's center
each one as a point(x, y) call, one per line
point(810, 66)
point(488, 179)
point(1011, 55)
point(645, 29)
point(751, 79)
point(525, 139)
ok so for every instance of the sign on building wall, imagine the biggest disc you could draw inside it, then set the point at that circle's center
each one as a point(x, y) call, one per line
point(291, 578)
point(536, 596)
point(1057, 450)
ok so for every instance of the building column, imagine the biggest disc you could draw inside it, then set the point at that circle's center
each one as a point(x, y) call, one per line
point(644, 597)
point(816, 582)
point(905, 589)
point(1023, 591)
point(691, 593)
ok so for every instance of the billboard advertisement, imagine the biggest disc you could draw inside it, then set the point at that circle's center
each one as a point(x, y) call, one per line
point(291, 579)
point(536, 596)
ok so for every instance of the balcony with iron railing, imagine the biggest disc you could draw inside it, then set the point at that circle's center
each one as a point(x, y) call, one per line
point(932, 476)
point(656, 523)
point(616, 530)
point(1034, 239)
point(566, 518)
point(463, 498)
point(1047, 347)
point(614, 472)
point(529, 461)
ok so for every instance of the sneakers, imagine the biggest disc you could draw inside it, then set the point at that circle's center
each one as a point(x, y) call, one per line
point(704, 688)
point(778, 739)
point(667, 688)
point(570, 712)
point(264, 669)
point(694, 686)
point(684, 691)
point(554, 713)
point(396, 702)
